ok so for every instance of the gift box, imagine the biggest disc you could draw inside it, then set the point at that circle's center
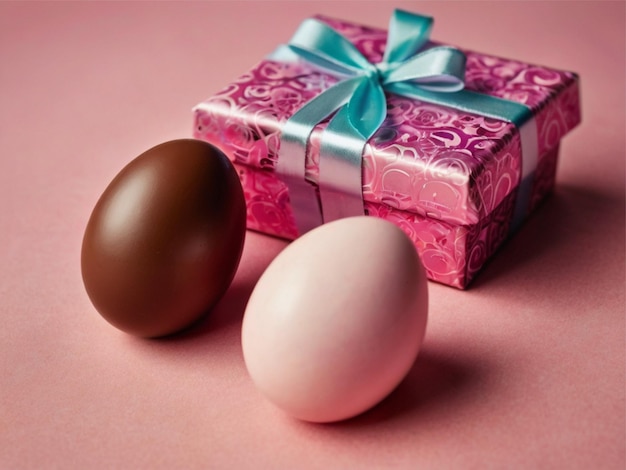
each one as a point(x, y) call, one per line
point(443, 162)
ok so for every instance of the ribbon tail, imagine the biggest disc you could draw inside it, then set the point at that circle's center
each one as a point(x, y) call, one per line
point(302, 196)
point(293, 150)
point(340, 169)
point(367, 108)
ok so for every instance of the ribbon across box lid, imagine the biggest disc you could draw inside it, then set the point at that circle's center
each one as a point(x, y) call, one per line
point(429, 152)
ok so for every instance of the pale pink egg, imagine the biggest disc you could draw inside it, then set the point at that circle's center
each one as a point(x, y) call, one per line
point(336, 321)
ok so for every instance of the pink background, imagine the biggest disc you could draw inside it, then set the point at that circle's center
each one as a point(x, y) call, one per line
point(524, 370)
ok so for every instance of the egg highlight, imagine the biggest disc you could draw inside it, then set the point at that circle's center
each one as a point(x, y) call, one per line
point(337, 319)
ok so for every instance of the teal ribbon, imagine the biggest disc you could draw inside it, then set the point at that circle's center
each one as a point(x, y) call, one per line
point(435, 75)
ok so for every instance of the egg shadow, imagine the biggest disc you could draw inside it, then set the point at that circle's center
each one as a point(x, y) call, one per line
point(562, 229)
point(567, 222)
point(228, 312)
point(435, 381)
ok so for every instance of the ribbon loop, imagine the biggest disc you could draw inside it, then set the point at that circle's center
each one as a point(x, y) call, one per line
point(437, 69)
point(324, 47)
point(407, 34)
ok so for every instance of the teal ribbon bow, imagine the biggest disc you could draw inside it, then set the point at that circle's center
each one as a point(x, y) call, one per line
point(358, 100)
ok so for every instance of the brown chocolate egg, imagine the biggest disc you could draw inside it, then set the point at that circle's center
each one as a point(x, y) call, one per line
point(165, 238)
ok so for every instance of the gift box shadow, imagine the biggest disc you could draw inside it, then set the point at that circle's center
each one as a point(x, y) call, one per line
point(565, 232)
point(436, 381)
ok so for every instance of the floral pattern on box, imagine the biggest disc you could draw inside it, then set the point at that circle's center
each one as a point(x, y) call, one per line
point(433, 165)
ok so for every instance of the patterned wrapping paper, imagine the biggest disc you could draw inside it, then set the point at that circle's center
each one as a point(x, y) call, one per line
point(447, 177)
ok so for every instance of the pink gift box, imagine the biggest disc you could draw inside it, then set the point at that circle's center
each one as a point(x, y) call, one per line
point(449, 178)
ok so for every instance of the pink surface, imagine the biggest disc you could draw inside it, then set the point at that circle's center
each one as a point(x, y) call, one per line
point(526, 369)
